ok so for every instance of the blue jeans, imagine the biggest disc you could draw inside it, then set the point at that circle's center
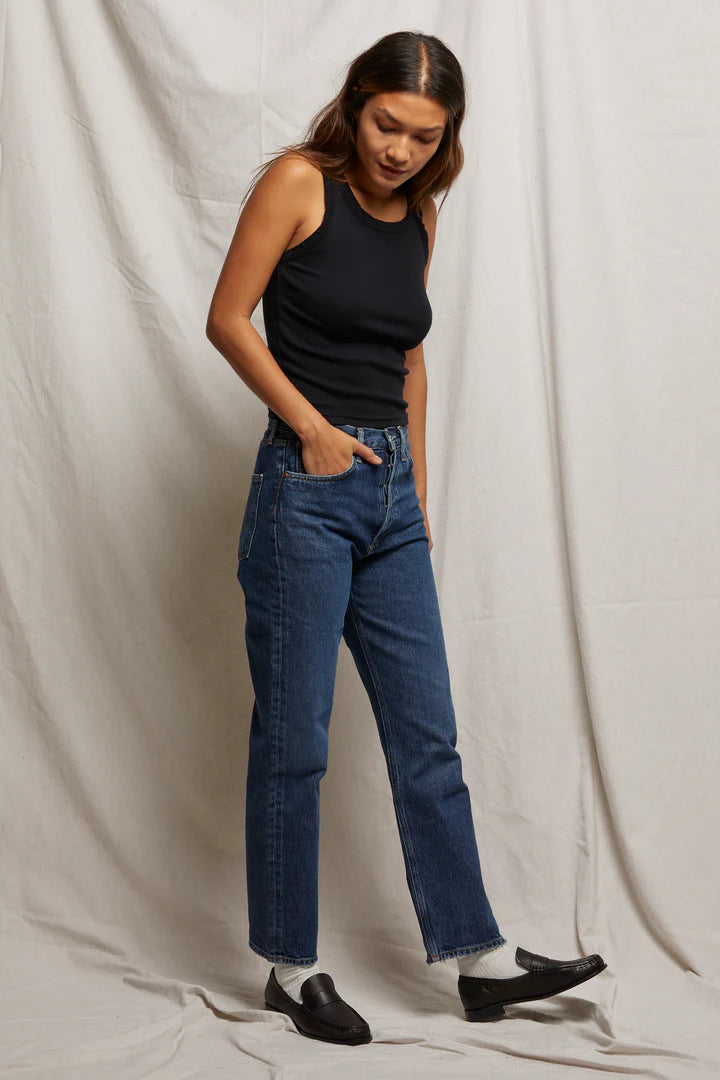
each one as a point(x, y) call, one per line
point(347, 555)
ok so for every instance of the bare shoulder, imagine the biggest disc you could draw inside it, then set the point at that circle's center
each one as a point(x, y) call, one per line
point(429, 218)
point(293, 168)
point(291, 188)
point(273, 214)
point(428, 208)
point(289, 179)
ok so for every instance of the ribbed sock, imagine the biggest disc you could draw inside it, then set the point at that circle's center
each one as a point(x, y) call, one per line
point(292, 976)
point(496, 963)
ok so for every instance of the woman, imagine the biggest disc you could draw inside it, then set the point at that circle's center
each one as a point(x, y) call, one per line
point(335, 540)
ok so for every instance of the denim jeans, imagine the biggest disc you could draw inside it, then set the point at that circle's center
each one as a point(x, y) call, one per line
point(347, 555)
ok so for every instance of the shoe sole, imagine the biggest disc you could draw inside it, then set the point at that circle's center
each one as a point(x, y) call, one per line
point(350, 1041)
point(494, 1012)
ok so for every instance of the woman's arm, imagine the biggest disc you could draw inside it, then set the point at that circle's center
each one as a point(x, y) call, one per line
point(415, 386)
point(269, 219)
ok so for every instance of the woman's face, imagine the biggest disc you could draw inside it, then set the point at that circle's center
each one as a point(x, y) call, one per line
point(400, 130)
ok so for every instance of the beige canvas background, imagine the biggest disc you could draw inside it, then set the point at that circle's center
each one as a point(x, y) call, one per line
point(574, 499)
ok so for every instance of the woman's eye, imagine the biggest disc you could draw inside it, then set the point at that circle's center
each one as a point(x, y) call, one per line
point(386, 130)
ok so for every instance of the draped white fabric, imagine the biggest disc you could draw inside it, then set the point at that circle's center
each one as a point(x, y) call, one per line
point(573, 445)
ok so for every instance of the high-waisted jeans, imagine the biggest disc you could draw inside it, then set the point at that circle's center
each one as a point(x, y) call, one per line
point(347, 555)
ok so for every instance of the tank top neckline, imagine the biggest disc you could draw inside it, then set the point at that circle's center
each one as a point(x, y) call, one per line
point(369, 219)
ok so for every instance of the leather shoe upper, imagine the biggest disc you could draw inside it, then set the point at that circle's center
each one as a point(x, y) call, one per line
point(543, 977)
point(535, 962)
point(322, 1012)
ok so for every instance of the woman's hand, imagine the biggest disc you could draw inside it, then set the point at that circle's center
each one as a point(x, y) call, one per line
point(326, 452)
point(427, 525)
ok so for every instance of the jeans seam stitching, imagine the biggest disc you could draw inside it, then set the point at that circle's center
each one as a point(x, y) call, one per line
point(425, 917)
point(275, 803)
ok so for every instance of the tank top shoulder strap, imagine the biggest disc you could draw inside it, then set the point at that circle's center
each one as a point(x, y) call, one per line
point(332, 187)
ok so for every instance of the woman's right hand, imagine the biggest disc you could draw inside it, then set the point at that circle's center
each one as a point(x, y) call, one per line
point(326, 451)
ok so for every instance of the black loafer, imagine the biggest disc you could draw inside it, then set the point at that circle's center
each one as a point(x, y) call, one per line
point(322, 1014)
point(485, 999)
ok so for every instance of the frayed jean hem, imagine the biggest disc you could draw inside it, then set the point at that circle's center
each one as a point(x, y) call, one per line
point(281, 958)
point(464, 950)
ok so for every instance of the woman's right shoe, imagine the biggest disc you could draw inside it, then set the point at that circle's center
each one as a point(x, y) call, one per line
point(322, 1013)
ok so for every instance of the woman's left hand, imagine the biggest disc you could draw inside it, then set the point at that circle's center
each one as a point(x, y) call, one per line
point(427, 524)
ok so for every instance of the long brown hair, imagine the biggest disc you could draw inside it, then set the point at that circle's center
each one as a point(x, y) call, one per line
point(406, 61)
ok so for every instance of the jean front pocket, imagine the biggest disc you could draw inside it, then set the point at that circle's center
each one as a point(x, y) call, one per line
point(297, 471)
point(247, 529)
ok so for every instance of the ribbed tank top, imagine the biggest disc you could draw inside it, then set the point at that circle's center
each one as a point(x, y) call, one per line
point(343, 306)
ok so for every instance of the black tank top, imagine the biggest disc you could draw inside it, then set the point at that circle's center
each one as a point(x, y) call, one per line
point(344, 305)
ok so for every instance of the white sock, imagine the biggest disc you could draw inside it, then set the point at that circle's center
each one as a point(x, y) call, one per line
point(292, 976)
point(496, 963)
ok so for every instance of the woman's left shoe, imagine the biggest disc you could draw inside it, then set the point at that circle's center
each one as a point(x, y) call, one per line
point(485, 999)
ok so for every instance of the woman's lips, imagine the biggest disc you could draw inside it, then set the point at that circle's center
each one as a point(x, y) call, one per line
point(392, 172)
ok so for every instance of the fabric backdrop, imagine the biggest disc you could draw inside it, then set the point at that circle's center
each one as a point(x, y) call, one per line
point(574, 498)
